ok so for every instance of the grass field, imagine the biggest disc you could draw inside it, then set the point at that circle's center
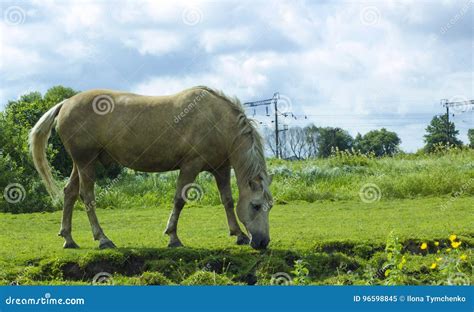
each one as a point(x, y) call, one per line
point(348, 219)
point(331, 239)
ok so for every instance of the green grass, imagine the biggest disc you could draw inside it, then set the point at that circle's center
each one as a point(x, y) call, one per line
point(331, 237)
point(340, 177)
point(318, 224)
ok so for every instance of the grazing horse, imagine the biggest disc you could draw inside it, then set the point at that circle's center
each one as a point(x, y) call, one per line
point(195, 130)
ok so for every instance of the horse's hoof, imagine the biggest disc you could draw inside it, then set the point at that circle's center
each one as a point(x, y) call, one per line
point(175, 244)
point(70, 245)
point(107, 245)
point(242, 239)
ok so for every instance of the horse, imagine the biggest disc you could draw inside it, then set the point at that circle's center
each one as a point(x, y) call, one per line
point(198, 129)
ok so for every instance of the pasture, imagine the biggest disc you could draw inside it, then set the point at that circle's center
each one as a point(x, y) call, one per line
point(326, 228)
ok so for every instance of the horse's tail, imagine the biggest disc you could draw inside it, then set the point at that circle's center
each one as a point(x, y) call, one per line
point(38, 140)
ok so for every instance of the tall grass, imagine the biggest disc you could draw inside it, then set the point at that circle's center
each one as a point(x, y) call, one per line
point(339, 177)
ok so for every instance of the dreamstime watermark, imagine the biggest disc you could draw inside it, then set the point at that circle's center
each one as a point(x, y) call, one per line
point(464, 104)
point(14, 193)
point(103, 278)
point(457, 194)
point(192, 192)
point(370, 193)
point(190, 106)
point(14, 15)
point(281, 279)
point(103, 104)
point(105, 190)
point(456, 18)
point(370, 16)
point(284, 107)
point(191, 16)
point(47, 299)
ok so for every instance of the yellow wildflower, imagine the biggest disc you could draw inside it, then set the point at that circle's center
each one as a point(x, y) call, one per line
point(436, 243)
point(455, 244)
point(424, 246)
point(463, 257)
point(433, 265)
point(452, 237)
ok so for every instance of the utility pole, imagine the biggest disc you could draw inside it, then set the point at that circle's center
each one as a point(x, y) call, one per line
point(266, 103)
point(277, 132)
point(448, 104)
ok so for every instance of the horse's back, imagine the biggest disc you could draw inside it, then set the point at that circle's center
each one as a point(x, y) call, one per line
point(146, 133)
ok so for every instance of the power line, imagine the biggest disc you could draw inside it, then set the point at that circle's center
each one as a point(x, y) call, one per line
point(447, 105)
point(267, 103)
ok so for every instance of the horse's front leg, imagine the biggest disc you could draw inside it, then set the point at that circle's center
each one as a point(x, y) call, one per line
point(222, 177)
point(187, 175)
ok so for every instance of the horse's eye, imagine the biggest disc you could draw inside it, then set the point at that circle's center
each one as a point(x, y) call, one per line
point(256, 207)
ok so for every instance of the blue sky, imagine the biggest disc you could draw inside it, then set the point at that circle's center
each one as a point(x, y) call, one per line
point(359, 65)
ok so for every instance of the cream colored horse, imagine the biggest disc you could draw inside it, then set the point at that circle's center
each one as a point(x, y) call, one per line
point(198, 129)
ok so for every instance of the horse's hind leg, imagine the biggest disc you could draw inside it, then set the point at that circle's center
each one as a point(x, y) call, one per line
point(86, 191)
point(71, 193)
point(223, 184)
point(186, 176)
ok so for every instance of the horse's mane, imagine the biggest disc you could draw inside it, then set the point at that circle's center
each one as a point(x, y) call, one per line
point(254, 164)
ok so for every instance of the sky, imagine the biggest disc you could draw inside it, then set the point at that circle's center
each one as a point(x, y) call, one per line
point(358, 65)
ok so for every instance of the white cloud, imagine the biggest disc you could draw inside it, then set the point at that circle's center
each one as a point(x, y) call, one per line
point(153, 41)
point(216, 39)
point(325, 56)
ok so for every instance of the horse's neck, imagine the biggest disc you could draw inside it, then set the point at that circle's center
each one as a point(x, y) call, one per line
point(246, 163)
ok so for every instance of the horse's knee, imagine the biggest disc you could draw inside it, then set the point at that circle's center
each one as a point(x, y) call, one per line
point(71, 190)
point(179, 201)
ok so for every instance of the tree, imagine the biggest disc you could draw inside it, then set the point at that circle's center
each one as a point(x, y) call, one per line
point(312, 137)
point(380, 142)
point(470, 136)
point(269, 136)
point(296, 142)
point(441, 132)
point(333, 138)
point(16, 166)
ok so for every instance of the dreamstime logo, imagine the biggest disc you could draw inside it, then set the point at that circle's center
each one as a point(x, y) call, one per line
point(370, 16)
point(267, 206)
point(284, 104)
point(281, 279)
point(192, 192)
point(458, 16)
point(103, 278)
point(370, 193)
point(463, 106)
point(192, 16)
point(190, 106)
point(285, 107)
point(103, 104)
point(458, 279)
point(14, 15)
point(14, 193)
point(457, 194)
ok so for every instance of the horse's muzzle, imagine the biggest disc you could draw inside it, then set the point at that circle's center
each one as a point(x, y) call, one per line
point(259, 241)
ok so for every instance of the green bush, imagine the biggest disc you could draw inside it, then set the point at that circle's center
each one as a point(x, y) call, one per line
point(207, 278)
point(154, 278)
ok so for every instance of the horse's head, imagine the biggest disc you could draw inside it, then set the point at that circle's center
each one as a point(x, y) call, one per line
point(253, 207)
